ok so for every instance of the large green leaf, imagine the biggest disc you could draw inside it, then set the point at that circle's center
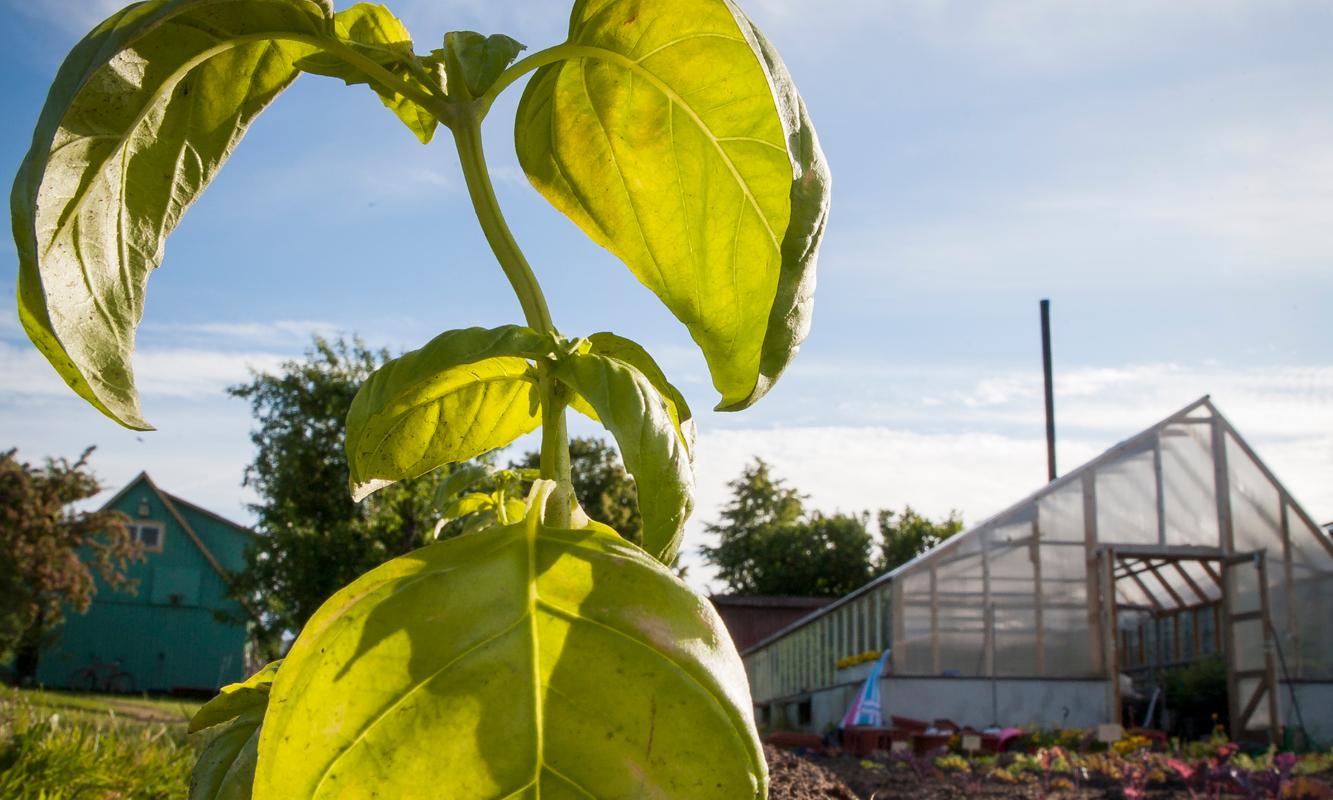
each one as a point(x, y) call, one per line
point(376, 33)
point(141, 115)
point(225, 769)
point(522, 662)
point(465, 393)
point(674, 137)
point(655, 454)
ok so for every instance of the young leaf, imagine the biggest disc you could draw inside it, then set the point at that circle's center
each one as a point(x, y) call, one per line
point(226, 766)
point(236, 698)
point(142, 114)
point(465, 393)
point(633, 354)
point(375, 32)
point(674, 137)
point(480, 59)
point(527, 662)
point(640, 418)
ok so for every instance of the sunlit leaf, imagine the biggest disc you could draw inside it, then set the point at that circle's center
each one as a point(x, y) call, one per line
point(522, 662)
point(375, 32)
point(236, 698)
point(640, 418)
point(633, 354)
point(674, 137)
point(465, 393)
point(225, 769)
point(139, 119)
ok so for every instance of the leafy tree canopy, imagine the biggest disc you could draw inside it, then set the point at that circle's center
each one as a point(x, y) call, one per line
point(906, 534)
point(50, 552)
point(769, 543)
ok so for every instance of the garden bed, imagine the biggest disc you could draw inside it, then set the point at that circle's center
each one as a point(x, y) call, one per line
point(830, 774)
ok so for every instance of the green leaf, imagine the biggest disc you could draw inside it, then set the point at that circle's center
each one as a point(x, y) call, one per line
point(640, 418)
point(633, 354)
point(467, 505)
point(480, 58)
point(376, 33)
point(141, 116)
point(674, 137)
point(226, 766)
point(225, 769)
point(236, 698)
point(553, 663)
point(459, 481)
point(465, 393)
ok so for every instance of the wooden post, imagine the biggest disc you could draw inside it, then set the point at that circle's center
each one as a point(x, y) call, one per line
point(1288, 588)
point(988, 618)
point(1034, 552)
point(1161, 488)
point(1226, 541)
point(1092, 563)
point(1110, 632)
point(934, 624)
point(898, 633)
point(1270, 660)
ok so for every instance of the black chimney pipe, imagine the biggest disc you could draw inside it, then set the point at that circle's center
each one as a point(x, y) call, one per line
point(1050, 388)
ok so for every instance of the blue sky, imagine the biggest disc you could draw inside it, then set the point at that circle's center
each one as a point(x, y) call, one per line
point(1162, 171)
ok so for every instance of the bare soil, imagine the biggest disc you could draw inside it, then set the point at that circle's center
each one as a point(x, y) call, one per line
point(817, 776)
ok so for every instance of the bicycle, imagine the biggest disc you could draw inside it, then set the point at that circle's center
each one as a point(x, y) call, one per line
point(102, 676)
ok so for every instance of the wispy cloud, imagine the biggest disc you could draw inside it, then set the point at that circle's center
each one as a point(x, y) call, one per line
point(160, 373)
point(284, 332)
point(70, 16)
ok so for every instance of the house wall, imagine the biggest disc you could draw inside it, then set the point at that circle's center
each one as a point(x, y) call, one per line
point(164, 632)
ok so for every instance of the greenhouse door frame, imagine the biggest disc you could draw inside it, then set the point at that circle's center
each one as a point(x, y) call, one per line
point(1140, 564)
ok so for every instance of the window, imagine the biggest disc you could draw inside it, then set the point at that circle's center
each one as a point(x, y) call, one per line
point(149, 534)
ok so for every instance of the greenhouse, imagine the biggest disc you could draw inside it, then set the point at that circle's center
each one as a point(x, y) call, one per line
point(1073, 606)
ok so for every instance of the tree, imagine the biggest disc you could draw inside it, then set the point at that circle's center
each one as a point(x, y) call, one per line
point(760, 504)
point(315, 539)
point(603, 487)
point(769, 544)
point(817, 556)
point(49, 552)
point(906, 535)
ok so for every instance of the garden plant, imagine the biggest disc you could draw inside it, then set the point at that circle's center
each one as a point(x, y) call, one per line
point(544, 656)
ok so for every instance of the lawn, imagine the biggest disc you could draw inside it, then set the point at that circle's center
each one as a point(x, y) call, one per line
point(62, 746)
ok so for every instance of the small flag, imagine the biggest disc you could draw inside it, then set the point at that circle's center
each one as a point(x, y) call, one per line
point(865, 710)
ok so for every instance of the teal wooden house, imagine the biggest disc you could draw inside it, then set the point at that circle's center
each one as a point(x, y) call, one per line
point(166, 636)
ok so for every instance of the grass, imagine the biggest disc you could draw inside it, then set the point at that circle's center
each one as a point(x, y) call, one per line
point(65, 746)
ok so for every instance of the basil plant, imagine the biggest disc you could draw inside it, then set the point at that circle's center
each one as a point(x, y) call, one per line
point(543, 656)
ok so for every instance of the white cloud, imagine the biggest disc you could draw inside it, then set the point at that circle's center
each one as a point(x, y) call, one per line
point(286, 332)
point(70, 16)
point(161, 374)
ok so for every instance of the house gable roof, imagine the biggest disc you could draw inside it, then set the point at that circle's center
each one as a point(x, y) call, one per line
point(170, 502)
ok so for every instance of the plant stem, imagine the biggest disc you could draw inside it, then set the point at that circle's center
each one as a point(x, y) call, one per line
point(555, 435)
point(522, 67)
point(467, 135)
